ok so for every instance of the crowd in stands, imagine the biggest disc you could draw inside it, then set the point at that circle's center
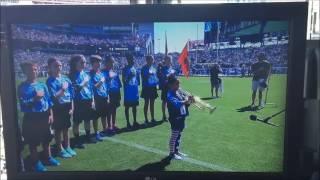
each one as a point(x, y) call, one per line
point(276, 54)
point(232, 60)
point(80, 39)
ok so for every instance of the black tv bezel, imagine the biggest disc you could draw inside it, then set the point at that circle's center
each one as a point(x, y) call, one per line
point(294, 12)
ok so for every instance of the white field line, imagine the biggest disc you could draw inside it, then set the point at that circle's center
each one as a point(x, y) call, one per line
point(163, 153)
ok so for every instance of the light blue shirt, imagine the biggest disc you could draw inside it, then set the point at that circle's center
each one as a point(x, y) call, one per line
point(82, 92)
point(102, 90)
point(165, 73)
point(131, 84)
point(112, 80)
point(26, 94)
point(55, 85)
point(149, 76)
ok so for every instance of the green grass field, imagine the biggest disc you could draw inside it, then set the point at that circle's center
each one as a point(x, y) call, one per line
point(223, 141)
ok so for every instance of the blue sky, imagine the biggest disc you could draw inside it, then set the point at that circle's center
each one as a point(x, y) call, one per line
point(178, 33)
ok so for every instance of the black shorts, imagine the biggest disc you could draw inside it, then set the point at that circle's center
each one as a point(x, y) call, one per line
point(115, 98)
point(164, 92)
point(61, 116)
point(102, 106)
point(131, 103)
point(83, 111)
point(177, 124)
point(36, 129)
point(149, 92)
point(215, 82)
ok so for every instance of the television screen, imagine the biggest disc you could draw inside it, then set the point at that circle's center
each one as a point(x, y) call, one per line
point(153, 96)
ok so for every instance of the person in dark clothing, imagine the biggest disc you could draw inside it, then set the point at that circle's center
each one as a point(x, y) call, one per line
point(260, 71)
point(215, 70)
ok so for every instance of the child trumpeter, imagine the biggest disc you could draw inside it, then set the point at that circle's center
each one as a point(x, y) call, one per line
point(177, 105)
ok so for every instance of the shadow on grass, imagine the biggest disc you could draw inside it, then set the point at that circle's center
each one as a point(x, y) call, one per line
point(248, 108)
point(140, 126)
point(121, 130)
point(207, 98)
point(55, 151)
point(156, 166)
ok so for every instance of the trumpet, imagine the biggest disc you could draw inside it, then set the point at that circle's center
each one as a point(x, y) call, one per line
point(196, 101)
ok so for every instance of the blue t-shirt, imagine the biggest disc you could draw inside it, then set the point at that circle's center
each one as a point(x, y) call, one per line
point(176, 107)
point(55, 85)
point(26, 93)
point(131, 84)
point(112, 80)
point(165, 73)
point(102, 90)
point(85, 92)
point(149, 76)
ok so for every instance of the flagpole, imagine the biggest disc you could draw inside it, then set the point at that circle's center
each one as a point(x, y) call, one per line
point(197, 46)
point(218, 44)
point(166, 44)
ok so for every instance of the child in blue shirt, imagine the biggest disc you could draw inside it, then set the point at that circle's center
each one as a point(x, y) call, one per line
point(178, 110)
point(149, 87)
point(114, 86)
point(35, 103)
point(100, 94)
point(83, 99)
point(130, 79)
point(166, 72)
point(61, 92)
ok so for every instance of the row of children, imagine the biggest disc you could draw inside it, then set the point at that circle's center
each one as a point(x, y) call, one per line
point(84, 96)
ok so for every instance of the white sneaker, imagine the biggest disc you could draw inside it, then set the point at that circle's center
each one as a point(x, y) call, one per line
point(177, 157)
point(182, 154)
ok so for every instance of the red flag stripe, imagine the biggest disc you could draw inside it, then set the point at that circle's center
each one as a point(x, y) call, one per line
point(183, 61)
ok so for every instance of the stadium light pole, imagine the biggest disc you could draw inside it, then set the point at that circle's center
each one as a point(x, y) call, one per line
point(159, 45)
point(311, 19)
